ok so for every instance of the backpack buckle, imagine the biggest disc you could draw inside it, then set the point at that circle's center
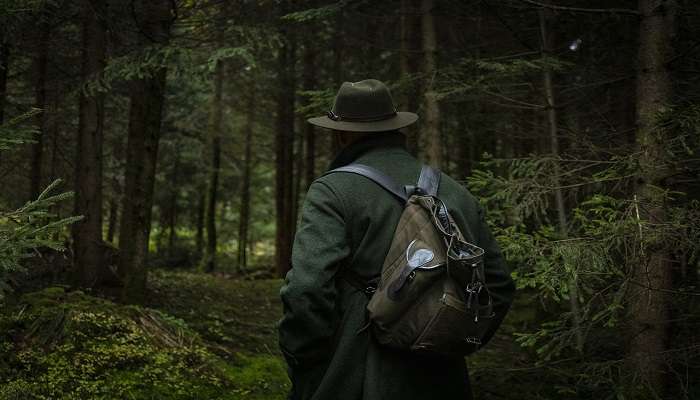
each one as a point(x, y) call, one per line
point(473, 340)
point(473, 287)
point(412, 190)
point(369, 290)
point(473, 290)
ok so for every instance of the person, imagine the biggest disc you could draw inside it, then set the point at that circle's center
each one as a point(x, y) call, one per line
point(348, 221)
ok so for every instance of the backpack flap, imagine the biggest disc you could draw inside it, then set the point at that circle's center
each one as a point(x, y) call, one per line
point(416, 260)
point(452, 330)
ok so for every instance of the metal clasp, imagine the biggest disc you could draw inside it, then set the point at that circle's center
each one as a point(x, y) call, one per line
point(472, 340)
point(473, 288)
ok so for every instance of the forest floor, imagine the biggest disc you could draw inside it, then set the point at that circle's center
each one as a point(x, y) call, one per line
point(199, 336)
point(238, 316)
point(231, 315)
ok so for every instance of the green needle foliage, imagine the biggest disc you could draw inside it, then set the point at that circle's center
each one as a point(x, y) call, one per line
point(605, 237)
point(30, 227)
point(33, 225)
point(14, 132)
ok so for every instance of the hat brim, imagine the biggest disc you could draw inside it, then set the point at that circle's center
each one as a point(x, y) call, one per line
point(400, 120)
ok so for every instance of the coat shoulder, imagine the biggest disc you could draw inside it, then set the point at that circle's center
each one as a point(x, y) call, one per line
point(461, 197)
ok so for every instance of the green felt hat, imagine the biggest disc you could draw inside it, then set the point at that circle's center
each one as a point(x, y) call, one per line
point(364, 106)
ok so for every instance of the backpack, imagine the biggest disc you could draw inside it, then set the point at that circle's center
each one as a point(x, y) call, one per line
point(431, 295)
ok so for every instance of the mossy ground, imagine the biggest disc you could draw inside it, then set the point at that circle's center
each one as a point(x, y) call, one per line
point(232, 314)
point(199, 337)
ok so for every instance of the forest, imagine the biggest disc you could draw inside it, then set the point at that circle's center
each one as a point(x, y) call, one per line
point(155, 155)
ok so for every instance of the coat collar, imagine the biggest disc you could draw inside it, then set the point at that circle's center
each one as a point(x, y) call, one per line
point(393, 139)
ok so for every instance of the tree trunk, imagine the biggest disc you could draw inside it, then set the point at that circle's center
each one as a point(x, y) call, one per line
point(159, 239)
point(199, 238)
point(309, 132)
point(408, 64)
point(468, 124)
point(55, 131)
point(115, 196)
point(338, 49)
point(215, 127)
point(338, 53)
point(431, 108)
point(112, 221)
point(87, 234)
point(310, 156)
point(297, 175)
point(244, 219)
point(552, 123)
point(284, 152)
point(651, 273)
point(53, 163)
point(147, 97)
point(37, 156)
point(173, 208)
point(4, 69)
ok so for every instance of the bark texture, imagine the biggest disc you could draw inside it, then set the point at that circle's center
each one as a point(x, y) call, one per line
point(309, 83)
point(173, 209)
point(244, 220)
point(145, 115)
point(547, 19)
point(199, 238)
point(37, 152)
point(112, 220)
point(410, 67)
point(652, 273)
point(4, 69)
point(284, 152)
point(467, 144)
point(215, 127)
point(87, 234)
point(339, 51)
point(431, 108)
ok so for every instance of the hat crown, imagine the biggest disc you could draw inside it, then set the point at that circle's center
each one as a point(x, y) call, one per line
point(367, 100)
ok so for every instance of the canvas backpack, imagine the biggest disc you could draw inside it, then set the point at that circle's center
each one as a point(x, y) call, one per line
point(431, 295)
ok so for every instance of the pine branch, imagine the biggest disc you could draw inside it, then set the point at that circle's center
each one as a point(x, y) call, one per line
point(587, 10)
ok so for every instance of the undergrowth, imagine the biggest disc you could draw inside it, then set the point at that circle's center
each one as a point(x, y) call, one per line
point(62, 344)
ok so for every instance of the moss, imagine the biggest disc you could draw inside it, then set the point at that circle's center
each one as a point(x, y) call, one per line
point(258, 377)
point(70, 345)
point(236, 315)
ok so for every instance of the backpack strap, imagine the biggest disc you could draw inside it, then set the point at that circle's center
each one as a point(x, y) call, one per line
point(429, 180)
point(368, 287)
point(378, 177)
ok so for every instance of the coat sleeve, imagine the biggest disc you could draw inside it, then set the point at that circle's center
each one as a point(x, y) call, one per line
point(498, 280)
point(309, 293)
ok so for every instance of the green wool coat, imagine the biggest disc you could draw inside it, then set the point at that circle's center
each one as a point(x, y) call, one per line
point(348, 221)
